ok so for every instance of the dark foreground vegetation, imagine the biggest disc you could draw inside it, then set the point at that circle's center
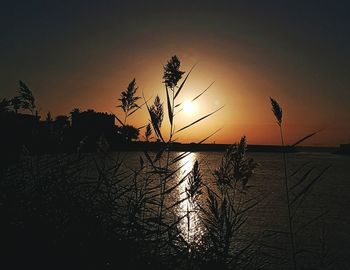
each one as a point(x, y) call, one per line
point(97, 211)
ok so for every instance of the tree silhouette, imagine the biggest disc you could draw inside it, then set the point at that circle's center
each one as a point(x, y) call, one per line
point(128, 133)
point(62, 122)
point(75, 111)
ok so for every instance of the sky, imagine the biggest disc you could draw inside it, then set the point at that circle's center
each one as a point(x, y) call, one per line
point(84, 53)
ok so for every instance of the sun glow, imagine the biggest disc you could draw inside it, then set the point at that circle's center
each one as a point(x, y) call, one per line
point(189, 107)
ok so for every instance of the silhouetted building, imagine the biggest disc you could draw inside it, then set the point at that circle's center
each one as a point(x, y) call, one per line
point(83, 131)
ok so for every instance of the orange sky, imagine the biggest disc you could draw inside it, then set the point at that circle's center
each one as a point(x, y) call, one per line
point(84, 56)
point(243, 89)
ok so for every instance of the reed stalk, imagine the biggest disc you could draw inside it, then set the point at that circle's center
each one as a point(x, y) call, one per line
point(290, 222)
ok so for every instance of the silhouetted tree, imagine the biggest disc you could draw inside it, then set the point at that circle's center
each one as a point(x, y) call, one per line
point(75, 111)
point(128, 133)
point(62, 121)
point(26, 97)
point(128, 99)
point(73, 114)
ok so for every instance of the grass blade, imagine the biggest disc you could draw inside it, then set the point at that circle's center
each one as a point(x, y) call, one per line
point(198, 120)
point(303, 178)
point(137, 108)
point(305, 138)
point(200, 142)
point(119, 120)
point(299, 169)
point(159, 154)
point(192, 100)
point(183, 83)
point(312, 221)
point(170, 109)
point(310, 184)
point(141, 127)
point(179, 157)
point(205, 90)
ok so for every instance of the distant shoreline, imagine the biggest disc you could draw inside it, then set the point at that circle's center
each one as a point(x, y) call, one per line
point(193, 147)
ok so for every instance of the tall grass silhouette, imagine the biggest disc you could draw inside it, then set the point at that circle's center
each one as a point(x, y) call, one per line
point(297, 191)
point(128, 100)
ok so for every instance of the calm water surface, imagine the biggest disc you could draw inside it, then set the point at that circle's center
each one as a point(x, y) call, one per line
point(331, 194)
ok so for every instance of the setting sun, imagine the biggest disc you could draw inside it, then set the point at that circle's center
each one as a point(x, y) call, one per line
point(189, 107)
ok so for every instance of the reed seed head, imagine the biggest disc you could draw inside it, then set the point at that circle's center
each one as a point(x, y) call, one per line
point(128, 98)
point(277, 111)
point(172, 72)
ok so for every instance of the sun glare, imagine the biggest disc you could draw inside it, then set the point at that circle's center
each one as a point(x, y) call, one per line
point(189, 107)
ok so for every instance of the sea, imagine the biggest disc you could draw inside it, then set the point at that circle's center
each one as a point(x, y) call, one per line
point(321, 221)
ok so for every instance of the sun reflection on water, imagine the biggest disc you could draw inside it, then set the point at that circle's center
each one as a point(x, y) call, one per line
point(189, 226)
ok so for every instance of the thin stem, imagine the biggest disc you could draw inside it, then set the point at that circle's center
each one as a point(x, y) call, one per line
point(125, 117)
point(163, 181)
point(291, 232)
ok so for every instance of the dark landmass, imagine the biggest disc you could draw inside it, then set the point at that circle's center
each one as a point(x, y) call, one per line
point(194, 147)
point(87, 131)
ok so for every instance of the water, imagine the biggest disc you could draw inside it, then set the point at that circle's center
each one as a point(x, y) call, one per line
point(330, 196)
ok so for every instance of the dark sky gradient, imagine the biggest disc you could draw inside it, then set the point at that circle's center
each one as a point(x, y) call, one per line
point(84, 54)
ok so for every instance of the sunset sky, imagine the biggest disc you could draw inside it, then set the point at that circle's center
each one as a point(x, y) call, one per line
point(83, 54)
